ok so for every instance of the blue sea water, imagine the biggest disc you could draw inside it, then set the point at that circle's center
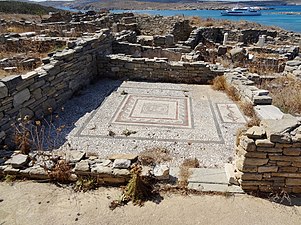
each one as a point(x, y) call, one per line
point(268, 17)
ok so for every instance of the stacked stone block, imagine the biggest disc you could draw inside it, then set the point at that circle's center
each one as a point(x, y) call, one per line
point(268, 157)
point(49, 86)
point(125, 67)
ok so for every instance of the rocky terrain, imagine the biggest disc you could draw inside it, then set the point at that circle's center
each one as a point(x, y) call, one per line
point(164, 4)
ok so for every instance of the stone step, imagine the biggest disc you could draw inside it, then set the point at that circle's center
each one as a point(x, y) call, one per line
point(210, 179)
point(268, 112)
point(216, 188)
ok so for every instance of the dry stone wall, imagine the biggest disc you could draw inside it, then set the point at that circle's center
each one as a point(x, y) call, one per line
point(268, 157)
point(49, 86)
point(124, 67)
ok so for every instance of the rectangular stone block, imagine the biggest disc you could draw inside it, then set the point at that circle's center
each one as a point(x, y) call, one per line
point(288, 169)
point(255, 162)
point(264, 143)
point(296, 190)
point(293, 182)
point(260, 155)
point(278, 145)
point(251, 169)
point(292, 151)
point(267, 169)
point(279, 163)
point(250, 187)
point(285, 158)
point(296, 164)
point(254, 182)
point(290, 175)
point(251, 176)
point(272, 149)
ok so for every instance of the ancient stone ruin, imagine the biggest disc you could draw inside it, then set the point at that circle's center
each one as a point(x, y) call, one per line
point(146, 72)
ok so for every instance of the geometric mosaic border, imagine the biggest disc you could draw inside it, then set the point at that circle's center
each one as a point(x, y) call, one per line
point(154, 111)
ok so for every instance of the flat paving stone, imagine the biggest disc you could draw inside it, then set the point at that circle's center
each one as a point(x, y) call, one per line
point(188, 120)
point(215, 188)
point(268, 112)
point(208, 175)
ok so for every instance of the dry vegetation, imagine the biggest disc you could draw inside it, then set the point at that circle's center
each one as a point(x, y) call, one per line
point(227, 24)
point(154, 155)
point(184, 171)
point(286, 93)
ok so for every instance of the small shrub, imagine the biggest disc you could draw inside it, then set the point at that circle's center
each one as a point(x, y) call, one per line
point(138, 190)
point(85, 184)
point(61, 172)
point(128, 132)
point(10, 178)
point(184, 171)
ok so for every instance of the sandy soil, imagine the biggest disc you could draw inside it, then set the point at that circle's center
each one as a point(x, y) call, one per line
point(36, 203)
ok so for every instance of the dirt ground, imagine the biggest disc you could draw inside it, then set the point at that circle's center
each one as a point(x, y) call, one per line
point(38, 203)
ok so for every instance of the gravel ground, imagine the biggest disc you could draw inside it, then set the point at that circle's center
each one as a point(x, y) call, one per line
point(87, 125)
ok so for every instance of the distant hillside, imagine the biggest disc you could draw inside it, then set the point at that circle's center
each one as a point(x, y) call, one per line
point(171, 4)
point(24, 8)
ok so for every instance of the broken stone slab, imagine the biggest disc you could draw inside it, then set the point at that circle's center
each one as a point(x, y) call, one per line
point(37, 172)
point(17, 161)
point(101, 170)
point(131, 157)
point(11, 170)
point(121, 172)
point(73, 156)
point(229, 169)
point(82, 166)
point(268, 112)
point(161, 172)
point(256, 132)
point(121, 163)
point(284, 125)
point(102, 162)
point(21, 97)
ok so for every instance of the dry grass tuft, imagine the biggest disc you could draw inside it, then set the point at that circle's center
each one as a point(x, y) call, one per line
point(61, 172)
point(154, 155)
point(219, 83)
point(248, 110)
point(184, 171)
point(286, 94)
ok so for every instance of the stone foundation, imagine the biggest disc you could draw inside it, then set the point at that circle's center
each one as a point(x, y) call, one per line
point(268, 157)
point(125, 67)
point(51, 85)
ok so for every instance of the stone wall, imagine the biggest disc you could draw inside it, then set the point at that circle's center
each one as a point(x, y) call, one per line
point(114, 170)
point(49, 86)
point(138, 50)
point(125, 67)
point(268, 157)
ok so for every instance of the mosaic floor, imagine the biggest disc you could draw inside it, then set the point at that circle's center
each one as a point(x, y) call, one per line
point(190, 120)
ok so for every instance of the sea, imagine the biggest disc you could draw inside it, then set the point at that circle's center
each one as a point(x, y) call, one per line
point(269, 17)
